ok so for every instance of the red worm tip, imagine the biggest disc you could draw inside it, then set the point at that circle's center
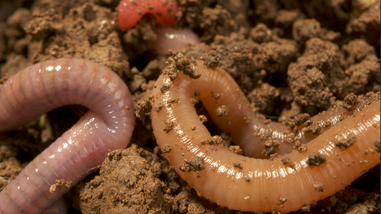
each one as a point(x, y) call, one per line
point(131, 11)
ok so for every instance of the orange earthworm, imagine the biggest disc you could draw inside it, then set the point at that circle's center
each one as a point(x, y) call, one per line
point(330, 161)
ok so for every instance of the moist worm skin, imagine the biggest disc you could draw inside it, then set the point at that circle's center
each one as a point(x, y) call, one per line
point(174, 39)
point(131, 11)
point(259, 184)
point(107, 126)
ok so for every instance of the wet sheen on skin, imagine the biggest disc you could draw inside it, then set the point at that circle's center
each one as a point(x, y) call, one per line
point(250, 184)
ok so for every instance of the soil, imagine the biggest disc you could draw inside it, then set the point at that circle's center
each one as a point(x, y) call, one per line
point(289, 58)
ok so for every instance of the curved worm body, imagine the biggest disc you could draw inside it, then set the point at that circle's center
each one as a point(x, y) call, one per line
point(105, 127)
point(245, 183)
point(174, 39)
point(131, 11)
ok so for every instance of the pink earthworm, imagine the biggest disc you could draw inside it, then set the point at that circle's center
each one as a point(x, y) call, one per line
point(107, 126)
point(174, 39)
point(131, 11)
point(285, 182)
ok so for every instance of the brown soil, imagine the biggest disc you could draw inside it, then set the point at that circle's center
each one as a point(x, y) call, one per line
point(289, 58)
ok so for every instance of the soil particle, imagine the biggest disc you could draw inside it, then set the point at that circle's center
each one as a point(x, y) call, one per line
point(344, 144)
point(236, 149)
point(315, 159)
point(59, 184)
point(314, 128)
point(356, 51)
point(197, 93)
point(165, 87)
point(212, 61)
point(9, 169)
point(126, 183)
point(179, 62)
point(377, 145)
point(143, 108)
point(301, 118)
point(270, 146)
point(319, 187)
point(264, 98)
point(237, 165)
point(194, 100)
point(158, 107)
point(196, 164)
point(308, 82)
point(168, 125)
point(215, 96)
point(203, 119)
point(302, 30)
point(359, 76)
point(261, 34)
point(167, 148)
point(306, 208)
point(282, 200)
point(350, 101)
point(300, 147)
point(215, 140)
point(222, 111)
point(287, 162)
point(365, 22)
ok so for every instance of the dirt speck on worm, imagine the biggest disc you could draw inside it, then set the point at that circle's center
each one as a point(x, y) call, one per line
point(344, 144)
point(168, 125)
point(319, 187)
point(215, 140)
point(237, 165)
point(282, 200)
point(59, 184)
point(377, 144)
point(270, 146)
point(165, 87)
point(287, 162)
point(196, 164)
point(158, 107)
point(315, 159)
point(314, 128)
point(222, 111)
point(167, 148)
point(2, 80)
point(236, 149)
point(203, 119)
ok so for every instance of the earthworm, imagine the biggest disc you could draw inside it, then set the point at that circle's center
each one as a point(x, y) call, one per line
point(105, 127)
point(285, 182)
point(60, 206)
point(174, 39)
point(131, 11)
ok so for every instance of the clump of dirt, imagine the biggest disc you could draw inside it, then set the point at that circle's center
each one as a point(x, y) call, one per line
point(289, 57)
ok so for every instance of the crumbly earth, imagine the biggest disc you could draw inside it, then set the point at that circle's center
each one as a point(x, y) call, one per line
point(291, 58)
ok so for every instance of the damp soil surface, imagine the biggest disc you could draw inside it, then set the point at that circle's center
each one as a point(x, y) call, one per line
point(288, 57)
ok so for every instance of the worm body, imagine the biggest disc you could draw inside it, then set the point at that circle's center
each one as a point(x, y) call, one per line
point(105, 127)
point(131, 11)
point(174, 39)
point(245, 183)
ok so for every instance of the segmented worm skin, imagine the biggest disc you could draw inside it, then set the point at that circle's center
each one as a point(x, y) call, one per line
point(131, 11)
point(259, 184)
point(107, 126)
point(174, 39)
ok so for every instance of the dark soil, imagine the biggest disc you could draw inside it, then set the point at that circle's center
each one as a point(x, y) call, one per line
point(289, 58)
